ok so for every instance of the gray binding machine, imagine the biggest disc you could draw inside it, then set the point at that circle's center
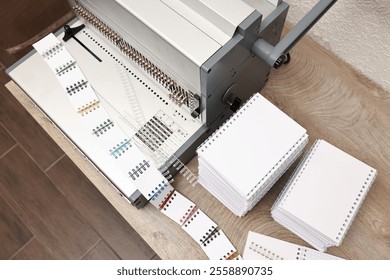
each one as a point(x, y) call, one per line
point(170, 72)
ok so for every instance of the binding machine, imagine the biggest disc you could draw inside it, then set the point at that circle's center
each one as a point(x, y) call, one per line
point(169, 72)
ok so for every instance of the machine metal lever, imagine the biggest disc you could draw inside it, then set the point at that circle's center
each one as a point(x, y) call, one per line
point(276, 55)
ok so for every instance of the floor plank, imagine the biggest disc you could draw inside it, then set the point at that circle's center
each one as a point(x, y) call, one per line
point(101, 252)
point(28, 132)
point(95, 208)
point(155, 258)
point(13, 233)
point(6, 140)
point(3, 76)
point(35, 250)
point(39, 203)
point(22, 20)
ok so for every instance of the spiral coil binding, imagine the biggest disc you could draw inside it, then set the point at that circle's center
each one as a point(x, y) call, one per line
point(264, 252)
point(66, 67)
point(103, 127)
point(177, 93)
point(88, 108)
point(154, 133)
point(52, 51)
point(139, 169)
point(76, 87)
point(120, 148)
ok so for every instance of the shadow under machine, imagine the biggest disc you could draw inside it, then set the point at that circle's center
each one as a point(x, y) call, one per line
point(169, 72)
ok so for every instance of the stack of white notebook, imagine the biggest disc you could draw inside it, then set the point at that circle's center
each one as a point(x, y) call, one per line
point(262, 247)
point(323, 196)
point(240, 162)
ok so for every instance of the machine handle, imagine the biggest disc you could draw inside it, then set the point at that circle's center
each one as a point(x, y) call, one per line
point(276, 55)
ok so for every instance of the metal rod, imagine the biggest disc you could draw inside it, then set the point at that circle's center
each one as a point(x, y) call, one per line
point(85, 47)
point(271, 54)
point(70, 33)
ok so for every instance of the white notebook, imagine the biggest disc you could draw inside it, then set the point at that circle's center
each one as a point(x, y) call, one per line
point(261, 247)
point(247, 154)
point(323, 196)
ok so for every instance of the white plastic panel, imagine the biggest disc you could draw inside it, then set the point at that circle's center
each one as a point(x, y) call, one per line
point(214, 18)
point(173, 28)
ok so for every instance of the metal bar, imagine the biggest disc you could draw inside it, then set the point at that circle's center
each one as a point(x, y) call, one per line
point(270, 54)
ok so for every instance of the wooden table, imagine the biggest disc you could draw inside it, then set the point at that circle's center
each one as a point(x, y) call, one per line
point(332, 102)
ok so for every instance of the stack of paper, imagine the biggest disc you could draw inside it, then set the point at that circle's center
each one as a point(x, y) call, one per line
point(262, 247)
point(240, 162)
point(323, 196)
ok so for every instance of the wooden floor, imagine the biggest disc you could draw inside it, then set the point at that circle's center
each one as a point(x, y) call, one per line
point(48, 208)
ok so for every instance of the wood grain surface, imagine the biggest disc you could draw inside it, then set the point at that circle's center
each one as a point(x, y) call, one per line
point(126, 243)
point(333, 103)
point(35, 250)
point(14, 233)
point(46, 212)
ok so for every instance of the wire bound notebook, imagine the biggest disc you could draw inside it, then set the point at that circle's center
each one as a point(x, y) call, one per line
point(261, 247)
point(322, 198)
point(243, 159)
